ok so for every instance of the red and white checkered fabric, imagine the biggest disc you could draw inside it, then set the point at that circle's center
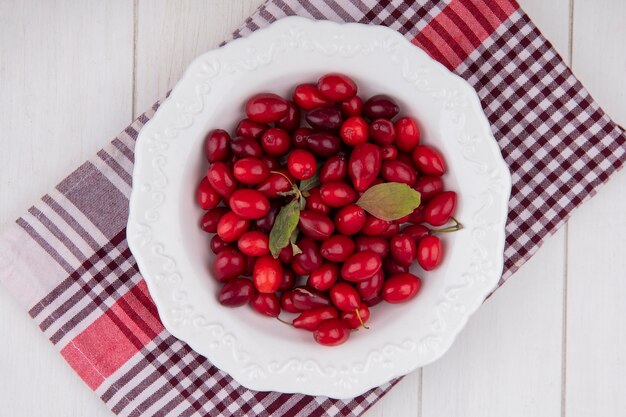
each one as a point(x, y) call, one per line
point(68, 262)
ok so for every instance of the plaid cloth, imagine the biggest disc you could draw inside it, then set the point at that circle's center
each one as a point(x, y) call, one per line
point(68, 262)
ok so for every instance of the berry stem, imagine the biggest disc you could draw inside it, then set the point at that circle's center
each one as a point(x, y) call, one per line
point(450, 229)
point(358, 316)
point(284, 321)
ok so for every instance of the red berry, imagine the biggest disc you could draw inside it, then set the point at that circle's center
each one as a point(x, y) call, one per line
point(392, 230)
point(254, 243)
point(209, 220)
point(249, 204)
point(401, 287)
point(331, 332)
point(360, 266)
point(274, 185)
point(376, 244)
point(389, 152)
point(344, 296)
point(350, 219)
point(370, 287)
point(271, 163)
point(246, 147)
point(323, 144)
point(291, 120)
point(382, 132)
point(355, 321)
point(403, 249)
point(222, 179)
point(337, 194)
point(250, 171)
point(380, 107)
point(352, 107)
point(266, 108)
point(364, 165)
point(440, 208)
point(286, 302)
point(308, 97)
point(391, 267)
point(354, 131)
point(286, 254)
point(311, 319)
point(373, 226)
point(337, 248)
point(396, 171)
point(407, 134)
point(316, 225)
point(309, 298)
point(266, 304)
point(217, 244)
point(324, 118)
point(266, 223)
point(417, 216)
point(236, 292)
point(428, 187)
point(206, 196)
point(416, 232)
point(301, 164)
point(428, 161)
point(314, 202)
point(429, 252)
point(228, 264)
point(334, 169)
point(323, 277)
point(289, 279)
point(299, 137)
point(230, 227)
point(276, 142)
point(268, 274)
point(336, 87)
point(310, 258)
point(217, 145)
point(250, 129)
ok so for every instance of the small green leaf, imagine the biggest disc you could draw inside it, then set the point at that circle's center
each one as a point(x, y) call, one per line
point(302, 202)
point(389, 201)
point(284, 225)
point(296, 249)
point(306, 185)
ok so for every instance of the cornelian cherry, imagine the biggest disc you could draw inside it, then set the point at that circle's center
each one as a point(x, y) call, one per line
point(311, 319)
point(268, 274)
point(301, 164)
point(331, 332)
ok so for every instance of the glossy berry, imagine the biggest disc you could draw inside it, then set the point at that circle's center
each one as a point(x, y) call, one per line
point(429, 252)
point(217, 244)
point(403, 249)
point(236, 292)
point(355, 321)
point(380, 107)
point(391, 267)
point(314, 202)
point(246, 147)
point(254, 243)
point(440, 208)
point(407, 134)
point(249, 204)
point(274, 185)
point(324, 277)
point(228, 264)
point(311, 319)
point(336, 87)
point(334, 169)
point(324, 118)
point(286, 302)
point(392, 230)
point(354, 131)
point(250, 129)
point(276, 142)
point(350, 219)
point(371, 287)
point(210, 219)
point(298, 137)
point(291, 120)
point(250, 171)
point(222, 179)
point(428, 160)
point(416, 232)
point(428, 187)
point(364, 165)
point(417, 216)
point(337, 248)
point(289, 279)
point(382, 132)
point(310, 258)
point(352, 107)
point(268, 274)
point(396, 171)
point(373, 226)
point(301, 164)
point(360, 266)
point(266, 223)
point(344, 296)
point(308, 299)
point(389, 152)
point(217, 145)
point(376, 244)
point(331, 332)
point(308, 97)
point(266, 304)
point(266, 108)
point(323, 144)
point(230, 227)
point(401, 287)
point(315, 225)
point(206, 196)
point(337, 194)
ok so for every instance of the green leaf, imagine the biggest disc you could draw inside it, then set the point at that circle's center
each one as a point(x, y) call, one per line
point(284, 225)
point(306, 185)
point(302, 202)
point(390, 200)
point(296, 249)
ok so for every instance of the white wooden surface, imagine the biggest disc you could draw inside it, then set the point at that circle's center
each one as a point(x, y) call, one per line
point(551, 342)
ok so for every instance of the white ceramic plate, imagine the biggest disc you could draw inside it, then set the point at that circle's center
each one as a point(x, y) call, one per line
point(173, 253)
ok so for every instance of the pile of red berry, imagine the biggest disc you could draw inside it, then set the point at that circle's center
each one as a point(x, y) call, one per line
point(325, 214)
